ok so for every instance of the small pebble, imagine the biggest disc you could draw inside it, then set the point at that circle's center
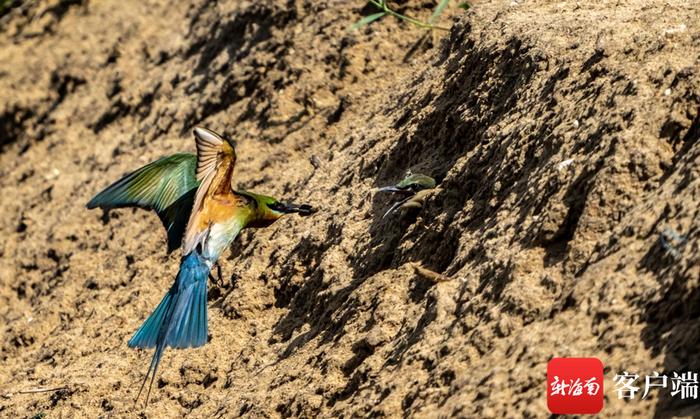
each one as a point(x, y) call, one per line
point(53, 174)
point(679, 29)
point(566, 163)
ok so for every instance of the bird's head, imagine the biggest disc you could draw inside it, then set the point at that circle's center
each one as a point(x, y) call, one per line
point(411, 184)
point(266, 209)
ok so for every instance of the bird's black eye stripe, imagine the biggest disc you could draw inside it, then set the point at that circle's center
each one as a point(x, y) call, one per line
point(276, 206)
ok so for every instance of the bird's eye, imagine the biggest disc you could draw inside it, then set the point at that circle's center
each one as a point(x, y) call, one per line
point(275, 206)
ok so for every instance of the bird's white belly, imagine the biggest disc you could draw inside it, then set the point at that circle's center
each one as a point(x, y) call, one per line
point(219, 238)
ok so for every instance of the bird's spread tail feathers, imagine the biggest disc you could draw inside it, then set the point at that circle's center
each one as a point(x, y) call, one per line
point(180, 320)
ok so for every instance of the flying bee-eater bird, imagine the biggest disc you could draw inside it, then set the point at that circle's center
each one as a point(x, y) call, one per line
point(414, 189)
point(203, 214)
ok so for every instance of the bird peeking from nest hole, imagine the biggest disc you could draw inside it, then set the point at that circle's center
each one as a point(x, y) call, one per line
point(414, 189)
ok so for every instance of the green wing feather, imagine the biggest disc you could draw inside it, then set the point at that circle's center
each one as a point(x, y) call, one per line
point(167, 185)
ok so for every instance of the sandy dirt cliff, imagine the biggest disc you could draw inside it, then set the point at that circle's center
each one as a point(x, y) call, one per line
point(564, 137)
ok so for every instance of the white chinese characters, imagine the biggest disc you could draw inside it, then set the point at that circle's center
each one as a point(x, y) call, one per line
point(574, 387)
point(685, 384)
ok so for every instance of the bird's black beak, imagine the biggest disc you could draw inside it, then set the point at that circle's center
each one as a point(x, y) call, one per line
point(301, 209)
point(394, 189)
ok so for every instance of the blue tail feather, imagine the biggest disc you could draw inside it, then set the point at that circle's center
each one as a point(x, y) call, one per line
point(146, 336)
point(180, 320)
point(190, 318)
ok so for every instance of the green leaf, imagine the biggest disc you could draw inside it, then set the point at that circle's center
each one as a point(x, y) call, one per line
point(465, 6)
point(366, 20)
point(438, 10)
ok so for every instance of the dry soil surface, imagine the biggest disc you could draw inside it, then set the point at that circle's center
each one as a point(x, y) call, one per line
point(564, 136)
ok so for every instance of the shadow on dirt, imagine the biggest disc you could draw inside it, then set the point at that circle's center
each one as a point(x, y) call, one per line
point(673, 318)
point(447, 134)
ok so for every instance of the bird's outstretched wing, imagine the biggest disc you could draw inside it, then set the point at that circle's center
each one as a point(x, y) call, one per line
point(167, 185)
point(216, 159)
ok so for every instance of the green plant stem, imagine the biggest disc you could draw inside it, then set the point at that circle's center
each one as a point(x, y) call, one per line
point(382, 5)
